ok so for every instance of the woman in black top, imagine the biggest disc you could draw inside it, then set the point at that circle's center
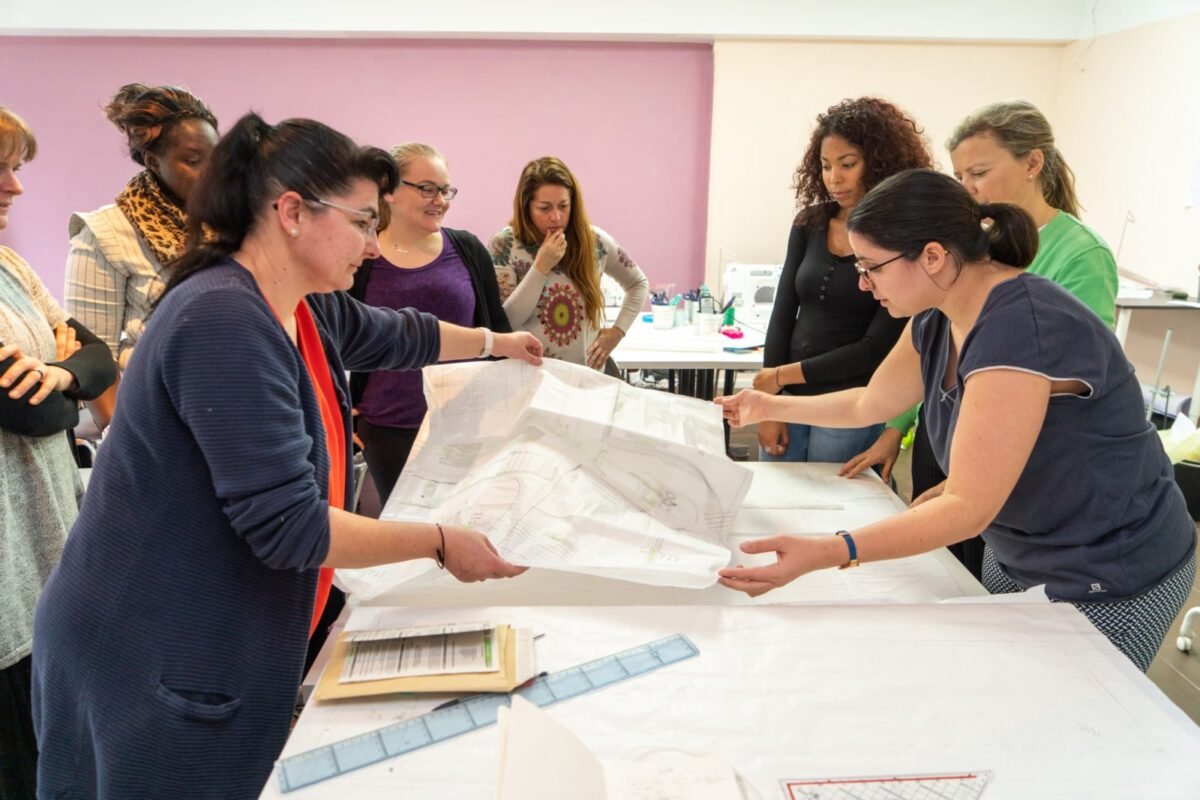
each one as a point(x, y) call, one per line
point(825, 334)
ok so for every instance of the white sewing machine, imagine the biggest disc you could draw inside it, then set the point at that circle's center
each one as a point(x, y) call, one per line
point(751, 288)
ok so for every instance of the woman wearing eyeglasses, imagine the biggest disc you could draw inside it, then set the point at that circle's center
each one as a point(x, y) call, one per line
point(1005, 153)
point(423, 265)
point(1030, 405)
point(824, 334)
point(169, 641)
point(549, 260)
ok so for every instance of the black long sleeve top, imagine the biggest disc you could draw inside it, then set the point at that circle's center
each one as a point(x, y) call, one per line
point(839, 333)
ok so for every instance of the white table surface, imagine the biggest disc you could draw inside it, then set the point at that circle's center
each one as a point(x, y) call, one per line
point(647, 347)
point(783, 498)
point(1032, 693)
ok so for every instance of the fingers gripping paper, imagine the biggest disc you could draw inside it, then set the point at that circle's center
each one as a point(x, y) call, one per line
point(564, 468)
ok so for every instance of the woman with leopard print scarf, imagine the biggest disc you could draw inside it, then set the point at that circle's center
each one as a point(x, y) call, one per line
point(119, 252)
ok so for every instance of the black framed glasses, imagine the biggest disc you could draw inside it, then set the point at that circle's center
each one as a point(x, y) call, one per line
point(432, 190)
point(865, 272)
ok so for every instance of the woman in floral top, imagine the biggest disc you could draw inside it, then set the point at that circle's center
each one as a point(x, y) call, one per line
point(548, 264)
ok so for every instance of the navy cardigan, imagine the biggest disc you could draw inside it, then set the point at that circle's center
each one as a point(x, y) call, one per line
point(170, 639)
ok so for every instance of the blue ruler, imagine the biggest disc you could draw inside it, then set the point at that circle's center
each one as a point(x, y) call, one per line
point(476, 711)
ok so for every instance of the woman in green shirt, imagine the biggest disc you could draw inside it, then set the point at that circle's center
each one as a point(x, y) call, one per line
point(1005, 153)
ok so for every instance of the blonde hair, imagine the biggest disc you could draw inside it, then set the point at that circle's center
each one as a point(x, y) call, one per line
point(1020, 128)
point(579, 264)
point(16, 136)
point(404, 154)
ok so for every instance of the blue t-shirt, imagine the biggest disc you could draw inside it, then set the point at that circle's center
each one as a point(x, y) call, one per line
point(1096, 514)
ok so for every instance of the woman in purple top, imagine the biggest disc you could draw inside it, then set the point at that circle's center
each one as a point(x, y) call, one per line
point(444, 272)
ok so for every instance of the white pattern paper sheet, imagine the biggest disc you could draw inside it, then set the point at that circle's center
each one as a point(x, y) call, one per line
point(564, 468)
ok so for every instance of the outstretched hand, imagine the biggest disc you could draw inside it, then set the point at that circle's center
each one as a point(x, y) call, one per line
point(794, 556)
point(744, 408)
point(470, 557)
point(520, 345)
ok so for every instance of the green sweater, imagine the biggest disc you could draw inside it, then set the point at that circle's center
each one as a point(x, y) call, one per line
point(1076, 258)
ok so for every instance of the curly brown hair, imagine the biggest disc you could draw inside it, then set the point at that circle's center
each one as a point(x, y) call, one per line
point(891, 142)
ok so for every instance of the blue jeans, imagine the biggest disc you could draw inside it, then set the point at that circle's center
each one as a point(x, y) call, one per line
point(838, 445)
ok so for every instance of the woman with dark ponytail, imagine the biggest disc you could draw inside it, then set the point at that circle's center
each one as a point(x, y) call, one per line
point(169, 641)
point(1031, 407)
point(1005, 153)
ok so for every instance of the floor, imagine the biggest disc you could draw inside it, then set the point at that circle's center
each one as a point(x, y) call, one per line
point(1176, 673)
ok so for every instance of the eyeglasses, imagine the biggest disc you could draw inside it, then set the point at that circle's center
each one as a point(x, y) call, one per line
point(367, 221)
point(865, 272)
point(432, 190)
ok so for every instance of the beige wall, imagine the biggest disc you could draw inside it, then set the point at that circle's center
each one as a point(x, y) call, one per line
point(1129, 123)
point(766, 96)
point(1125, 108)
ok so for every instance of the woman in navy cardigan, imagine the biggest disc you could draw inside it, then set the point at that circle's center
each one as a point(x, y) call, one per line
point(169, 642)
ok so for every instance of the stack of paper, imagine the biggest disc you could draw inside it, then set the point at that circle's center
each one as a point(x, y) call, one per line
point(459, 657)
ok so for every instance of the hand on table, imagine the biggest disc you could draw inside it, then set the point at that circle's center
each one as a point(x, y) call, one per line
point(928, 494)
point(885, 451)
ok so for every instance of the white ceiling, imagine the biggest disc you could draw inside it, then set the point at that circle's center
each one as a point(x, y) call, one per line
point(669, 20)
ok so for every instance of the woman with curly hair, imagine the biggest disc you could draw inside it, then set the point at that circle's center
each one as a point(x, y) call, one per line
point(548, 263)
point(825, 334)
point(115, 270)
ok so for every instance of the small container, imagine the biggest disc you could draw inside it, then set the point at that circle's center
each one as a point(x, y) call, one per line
point(691, 311)
point(707, 324)
point(664, 317)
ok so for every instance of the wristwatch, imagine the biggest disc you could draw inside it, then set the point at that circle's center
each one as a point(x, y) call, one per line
point(488, 340)
point(853, 562)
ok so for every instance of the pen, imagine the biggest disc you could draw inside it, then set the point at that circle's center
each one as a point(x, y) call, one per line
point(457, 700)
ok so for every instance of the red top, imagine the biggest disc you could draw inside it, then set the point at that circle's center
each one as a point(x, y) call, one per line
point(309, 342)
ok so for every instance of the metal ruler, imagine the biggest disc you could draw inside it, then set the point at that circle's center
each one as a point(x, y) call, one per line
point(476, 711)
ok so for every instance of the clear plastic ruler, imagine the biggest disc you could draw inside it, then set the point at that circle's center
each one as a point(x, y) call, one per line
point(476, 711)
point(948, 786)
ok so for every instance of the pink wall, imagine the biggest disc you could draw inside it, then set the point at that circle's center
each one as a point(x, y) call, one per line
point(632, 121)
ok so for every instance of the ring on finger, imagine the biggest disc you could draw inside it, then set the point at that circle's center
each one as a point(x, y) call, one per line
point(41, 374)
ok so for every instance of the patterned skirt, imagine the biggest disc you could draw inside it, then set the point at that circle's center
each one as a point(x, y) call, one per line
point(1137, 626)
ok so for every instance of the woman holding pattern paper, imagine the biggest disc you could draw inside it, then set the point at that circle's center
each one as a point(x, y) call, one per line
point(169, 642)
point(1030, 404)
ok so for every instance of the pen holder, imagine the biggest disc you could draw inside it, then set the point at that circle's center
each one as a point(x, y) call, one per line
point(664, 317)
point(707, 324)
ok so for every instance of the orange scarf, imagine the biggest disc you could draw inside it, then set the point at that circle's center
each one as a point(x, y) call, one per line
point(311, 350)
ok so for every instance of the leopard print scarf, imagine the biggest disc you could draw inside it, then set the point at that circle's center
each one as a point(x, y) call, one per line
point(157, 218)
